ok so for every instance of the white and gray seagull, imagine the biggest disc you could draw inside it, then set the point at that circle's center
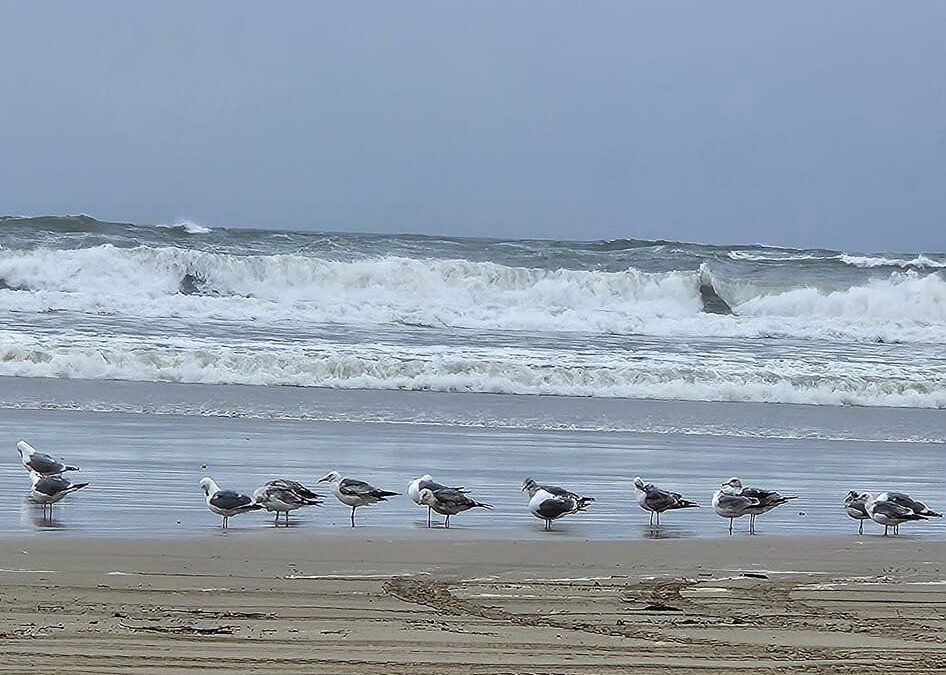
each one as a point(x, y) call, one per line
point(41, 463)
point(47, 490)
point(653, 499)
point(283, 495)
point(855, 505)
point(226, 503)
point(354, 493)
point(426, 481)
point(733, 500)
point(449, 502)
point(550, 502)
point(892, 508)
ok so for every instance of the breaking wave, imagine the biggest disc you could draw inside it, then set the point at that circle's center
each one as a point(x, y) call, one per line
point(918, 262)
point(701, 377)
point(196, 285)
point(187, 227)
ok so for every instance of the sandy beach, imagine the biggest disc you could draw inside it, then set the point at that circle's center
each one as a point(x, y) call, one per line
point(376, 601)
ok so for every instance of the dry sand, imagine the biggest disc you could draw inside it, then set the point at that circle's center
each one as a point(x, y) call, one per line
point(378, 601)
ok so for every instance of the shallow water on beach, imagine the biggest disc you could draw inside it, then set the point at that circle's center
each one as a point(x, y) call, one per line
point(144, 467)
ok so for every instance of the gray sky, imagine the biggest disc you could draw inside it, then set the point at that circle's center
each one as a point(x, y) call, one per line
point(794, 122)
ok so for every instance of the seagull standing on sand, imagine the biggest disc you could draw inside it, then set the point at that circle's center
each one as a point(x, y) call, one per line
point(283, 495)
point(426, 481)
point(550, 502)
point(653, 499)
point(759, 501)
point(448, 502)
point(41, 463)
point(226, 503)
point(729, 503)
point(892, 508)
point(733, 501)
point(354, 493)
point(855, 505)
point(47, 490)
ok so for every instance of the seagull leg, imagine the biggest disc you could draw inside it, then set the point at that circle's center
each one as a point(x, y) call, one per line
point(651, 518)
point(658, 519)
point(446, 522)
point(730, 525)
point(223, 526)
point(276, 522)
point(860, 527)
point(353, 515)
point(428, 516)
point(885, 530)
point(751, 523)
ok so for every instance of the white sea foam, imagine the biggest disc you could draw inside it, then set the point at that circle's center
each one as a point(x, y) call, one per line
point(866, 261)
point(919, 262)
point(776, 255)
point(808, 378)
point(188, 226)
point(145, 282)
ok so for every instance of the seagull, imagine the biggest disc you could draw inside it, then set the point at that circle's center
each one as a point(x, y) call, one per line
point(529, 485)
point(653, 499)
point(226, 503)
point(892, 508)
point(550, 502)
point(47, 490)
point(766, 500)
point(426, 481)
point(855, 506)
point(448, 502)
point(354, 493)
point(41, 463)
point(729, 503)
point(283, 495)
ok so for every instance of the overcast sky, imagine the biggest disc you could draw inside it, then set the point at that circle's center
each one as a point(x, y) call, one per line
point(798, 123)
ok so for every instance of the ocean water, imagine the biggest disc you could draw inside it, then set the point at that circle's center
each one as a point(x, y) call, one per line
point(82, 299)
point(152, 356)
point(150, 445)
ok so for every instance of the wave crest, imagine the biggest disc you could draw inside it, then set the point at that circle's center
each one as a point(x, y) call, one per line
point(701, 377)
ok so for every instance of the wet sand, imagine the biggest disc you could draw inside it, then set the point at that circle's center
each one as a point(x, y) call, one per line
point(144, 472)
point(379, 601)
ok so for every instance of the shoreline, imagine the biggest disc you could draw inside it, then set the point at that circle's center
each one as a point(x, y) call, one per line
point(476, 410)
point(374, 605)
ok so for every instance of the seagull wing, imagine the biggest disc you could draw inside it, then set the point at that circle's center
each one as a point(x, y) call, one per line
point(229, 499)
point(359, 488)
point(42, 463)
point(893, 510)
point(556, 507)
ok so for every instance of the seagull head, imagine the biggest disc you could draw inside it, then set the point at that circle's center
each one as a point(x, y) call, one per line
point(24, 447)
point(208, 486)
point(528, 485)
point(732, 485)
point(331, 477)
point(638, 482)
point(426, 496)
point(427, 477)
point(851, 496)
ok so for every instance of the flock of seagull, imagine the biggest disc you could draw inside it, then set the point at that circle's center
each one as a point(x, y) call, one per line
point(546, 502)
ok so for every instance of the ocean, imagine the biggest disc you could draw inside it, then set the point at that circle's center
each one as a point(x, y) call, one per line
point(152, 355)
point(624, 318)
